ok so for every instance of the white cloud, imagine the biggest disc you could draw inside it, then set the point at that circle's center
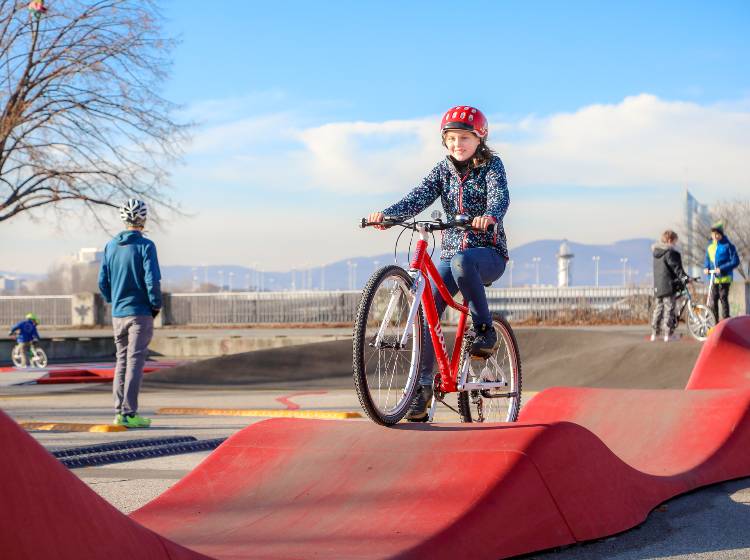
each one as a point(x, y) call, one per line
point(342, 169)
point(641, 141)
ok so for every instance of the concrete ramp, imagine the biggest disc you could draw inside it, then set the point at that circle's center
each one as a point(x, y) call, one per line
point(47, 512)
point(581, 464)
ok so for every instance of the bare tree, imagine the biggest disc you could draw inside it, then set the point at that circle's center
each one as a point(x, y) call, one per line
point(81, 117)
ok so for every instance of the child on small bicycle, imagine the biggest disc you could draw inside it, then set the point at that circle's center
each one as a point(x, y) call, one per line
point(669, 280)
point(27, 335)
point(470, 180)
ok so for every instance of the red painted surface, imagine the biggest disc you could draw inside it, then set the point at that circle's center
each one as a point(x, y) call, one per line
point(286, 400)
point(581, 464)
point(47, 512)
point(724, 362)
point(86, 373)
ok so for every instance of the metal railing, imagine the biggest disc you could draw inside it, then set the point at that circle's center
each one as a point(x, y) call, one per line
point(51, 310)
point(263, 307)
point(584, 304)
point(604, 304)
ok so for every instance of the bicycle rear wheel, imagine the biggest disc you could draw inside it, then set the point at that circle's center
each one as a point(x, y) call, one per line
point(700, 321)
point(38, 358)
point(386, 373)
point(504, 366)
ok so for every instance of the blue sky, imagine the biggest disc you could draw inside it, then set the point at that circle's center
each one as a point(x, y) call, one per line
point(398, 60)
point(310, 115)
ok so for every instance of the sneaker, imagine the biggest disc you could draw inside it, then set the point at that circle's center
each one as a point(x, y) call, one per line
point(135, 421)
point(420, 406)
point(671, 338)
point(485, 342)
point(653, 337)
point(119, 420)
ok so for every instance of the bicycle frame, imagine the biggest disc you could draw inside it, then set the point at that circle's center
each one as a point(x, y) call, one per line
point(422, 269)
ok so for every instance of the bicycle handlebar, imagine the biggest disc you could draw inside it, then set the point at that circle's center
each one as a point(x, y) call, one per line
point(428, 225)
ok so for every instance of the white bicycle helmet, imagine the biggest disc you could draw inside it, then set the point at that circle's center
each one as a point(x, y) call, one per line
point(134, 212)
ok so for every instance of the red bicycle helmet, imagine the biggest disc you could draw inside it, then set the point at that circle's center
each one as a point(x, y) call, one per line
point(465, 118)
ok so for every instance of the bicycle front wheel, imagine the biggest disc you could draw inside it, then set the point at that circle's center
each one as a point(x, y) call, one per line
point(385, 370)
point(700, 321)
point(17, 355)
point(500, 404)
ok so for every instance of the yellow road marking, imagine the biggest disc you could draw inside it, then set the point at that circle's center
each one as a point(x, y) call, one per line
point(70, 427)
point(270, 413)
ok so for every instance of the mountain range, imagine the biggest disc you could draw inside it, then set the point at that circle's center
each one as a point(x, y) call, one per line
point(353, 272)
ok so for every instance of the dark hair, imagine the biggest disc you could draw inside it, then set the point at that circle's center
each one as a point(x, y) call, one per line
point(483, 154)
point(668, 236)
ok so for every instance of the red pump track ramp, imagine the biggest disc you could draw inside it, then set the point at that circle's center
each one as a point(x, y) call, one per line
point(83, 373)
point(580, 464)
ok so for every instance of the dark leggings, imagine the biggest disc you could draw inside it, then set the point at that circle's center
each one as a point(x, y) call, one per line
point(467, 271)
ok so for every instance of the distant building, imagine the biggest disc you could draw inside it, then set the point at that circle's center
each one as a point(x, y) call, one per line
point(564, 265)
point(694, 214)
point(78, 272)
point(10, 285)
point(89, 256)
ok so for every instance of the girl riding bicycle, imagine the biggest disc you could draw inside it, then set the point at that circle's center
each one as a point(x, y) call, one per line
point(471, 181)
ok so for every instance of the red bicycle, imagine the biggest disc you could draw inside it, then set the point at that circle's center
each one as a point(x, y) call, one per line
point(396, 306)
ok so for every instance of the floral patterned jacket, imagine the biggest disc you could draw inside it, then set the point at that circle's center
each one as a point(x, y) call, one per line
point(482, 191)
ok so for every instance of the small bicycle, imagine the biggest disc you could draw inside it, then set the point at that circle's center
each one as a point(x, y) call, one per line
point(36, 357)
point(700, 319)
point(396, 306)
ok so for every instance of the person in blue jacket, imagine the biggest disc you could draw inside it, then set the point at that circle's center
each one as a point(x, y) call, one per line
point(722, 257)
point(27, 335)
point(130, 280)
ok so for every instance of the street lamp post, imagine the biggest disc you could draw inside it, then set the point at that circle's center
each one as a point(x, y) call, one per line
point(596, 270)
point(510, 273)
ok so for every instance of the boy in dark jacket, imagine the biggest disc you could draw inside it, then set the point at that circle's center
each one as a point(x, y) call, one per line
point(669, 277)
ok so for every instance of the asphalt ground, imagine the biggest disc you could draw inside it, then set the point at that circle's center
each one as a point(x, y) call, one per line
point(709, 523)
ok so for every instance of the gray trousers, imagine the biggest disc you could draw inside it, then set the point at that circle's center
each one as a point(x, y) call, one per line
point(132, 336)
point(663, 319)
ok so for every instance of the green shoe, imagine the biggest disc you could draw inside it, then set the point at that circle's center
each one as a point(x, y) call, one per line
point(136, 421)
point(119, 420)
